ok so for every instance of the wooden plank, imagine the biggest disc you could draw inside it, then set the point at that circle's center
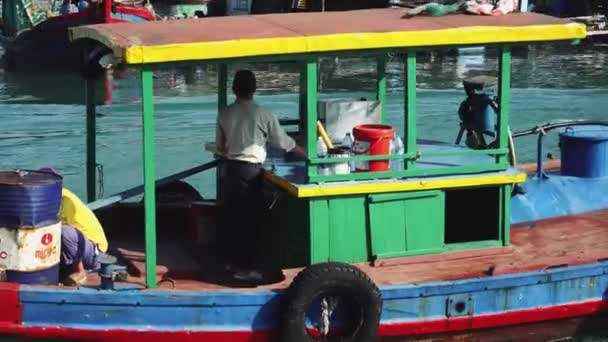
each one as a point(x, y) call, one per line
point(457, 255)
point(576, 240)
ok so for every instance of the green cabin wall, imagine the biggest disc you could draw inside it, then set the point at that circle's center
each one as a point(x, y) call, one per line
point(362, 228)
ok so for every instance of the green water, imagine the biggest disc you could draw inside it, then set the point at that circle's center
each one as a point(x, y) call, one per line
point(43, 124)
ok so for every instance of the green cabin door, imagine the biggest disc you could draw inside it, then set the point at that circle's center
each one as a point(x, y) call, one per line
point(403, 224)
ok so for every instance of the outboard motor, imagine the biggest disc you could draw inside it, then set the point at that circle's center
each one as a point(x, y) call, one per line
point(478, 112)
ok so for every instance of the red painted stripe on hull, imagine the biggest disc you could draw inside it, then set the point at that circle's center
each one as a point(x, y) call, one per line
point(396, 329)
point(494, 320)
point(134, 335)
point(10, 313)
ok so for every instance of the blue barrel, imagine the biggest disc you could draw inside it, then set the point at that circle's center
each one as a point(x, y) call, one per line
point(29, 198)
point(30, 227)
point(49, 276)
point(584, 151)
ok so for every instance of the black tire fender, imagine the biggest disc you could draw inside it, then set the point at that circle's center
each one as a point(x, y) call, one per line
point(336, 279)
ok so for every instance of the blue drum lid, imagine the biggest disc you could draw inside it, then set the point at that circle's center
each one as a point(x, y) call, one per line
point(29, 198)
point(588, 133)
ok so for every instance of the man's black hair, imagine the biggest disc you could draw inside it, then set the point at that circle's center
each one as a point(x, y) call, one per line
point(244, 84)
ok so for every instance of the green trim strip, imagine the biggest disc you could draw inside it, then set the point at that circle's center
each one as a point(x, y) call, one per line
point(465, 152)
point(407, 253)
point(409, 173)
point(410, 107)
point(504, 96)
point(505, 223)
point(302, 104)
point(402, 196)
point(316, 161)
point(149, 177)
point(319, 231)
point(473, 245)
point(381, 86)
point(311, 111)
point(91, 140)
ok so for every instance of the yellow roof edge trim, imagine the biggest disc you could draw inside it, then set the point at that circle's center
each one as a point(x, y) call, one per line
point(138, 54)
point(375, 188)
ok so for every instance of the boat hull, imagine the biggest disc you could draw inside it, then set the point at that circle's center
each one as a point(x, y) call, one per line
point(47, 45)
point(409, 310)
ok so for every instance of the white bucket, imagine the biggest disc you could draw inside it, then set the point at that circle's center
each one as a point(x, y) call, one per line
point(339, 168)
point(361, 148)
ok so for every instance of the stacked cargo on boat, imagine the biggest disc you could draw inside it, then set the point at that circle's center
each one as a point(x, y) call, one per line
point(30, 228)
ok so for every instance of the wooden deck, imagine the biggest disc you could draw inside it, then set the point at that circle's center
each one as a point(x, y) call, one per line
point(580, 239)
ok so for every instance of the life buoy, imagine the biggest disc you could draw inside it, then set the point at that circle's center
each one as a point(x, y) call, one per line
point(339, 283)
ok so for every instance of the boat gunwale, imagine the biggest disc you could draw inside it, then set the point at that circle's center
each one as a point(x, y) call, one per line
point(34, 293)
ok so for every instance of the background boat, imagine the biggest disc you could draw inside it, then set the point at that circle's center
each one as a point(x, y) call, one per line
point(36, 37)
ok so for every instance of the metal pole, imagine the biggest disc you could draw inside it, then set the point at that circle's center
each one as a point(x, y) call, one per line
point(504, 97)
point(302, 100)
point(222, 102)
point(91, 140)
point(381, 86)
point(311, 114)
point(222, 86)
point(149, 175)
point(410, 107)
point(540, 172)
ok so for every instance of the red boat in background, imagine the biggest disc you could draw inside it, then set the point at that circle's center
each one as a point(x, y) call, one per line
point(35, 38)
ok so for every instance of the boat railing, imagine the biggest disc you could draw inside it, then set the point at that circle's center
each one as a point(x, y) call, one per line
point(543, 129)
point(409, 168)
point(138, 190)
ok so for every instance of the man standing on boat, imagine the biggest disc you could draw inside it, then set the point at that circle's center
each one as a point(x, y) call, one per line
point(243, 130)
point(82, 237)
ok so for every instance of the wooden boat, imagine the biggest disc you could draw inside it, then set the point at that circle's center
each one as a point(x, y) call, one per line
point(38, 39)
point(440, 246)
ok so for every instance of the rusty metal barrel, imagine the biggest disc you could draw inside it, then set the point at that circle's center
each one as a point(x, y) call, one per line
point(30, 227)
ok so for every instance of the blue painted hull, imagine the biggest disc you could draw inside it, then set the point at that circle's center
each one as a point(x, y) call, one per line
point(558, 196)
point(407, 309)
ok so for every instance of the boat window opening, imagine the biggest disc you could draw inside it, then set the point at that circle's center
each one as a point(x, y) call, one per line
point(472, 214)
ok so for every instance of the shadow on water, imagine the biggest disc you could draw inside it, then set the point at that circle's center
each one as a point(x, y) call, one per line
point(594, 329)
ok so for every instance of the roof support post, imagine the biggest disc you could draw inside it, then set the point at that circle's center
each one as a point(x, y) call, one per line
point(505, 213)
point(523, 5)
point(302, 104)
point(149, 174)
point(91, 139)
point(381, 86)
point(504, 98)
point(222, 86)
point(222, 102)
point(310, 80)
point(410, 107)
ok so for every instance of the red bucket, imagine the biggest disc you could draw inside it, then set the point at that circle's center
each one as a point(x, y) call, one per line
point(373, 139)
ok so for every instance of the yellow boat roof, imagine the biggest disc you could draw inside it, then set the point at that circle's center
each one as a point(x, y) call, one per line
point(307, 33)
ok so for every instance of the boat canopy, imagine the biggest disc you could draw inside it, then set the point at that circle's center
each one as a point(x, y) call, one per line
point(423, 174)
point(311, 33)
